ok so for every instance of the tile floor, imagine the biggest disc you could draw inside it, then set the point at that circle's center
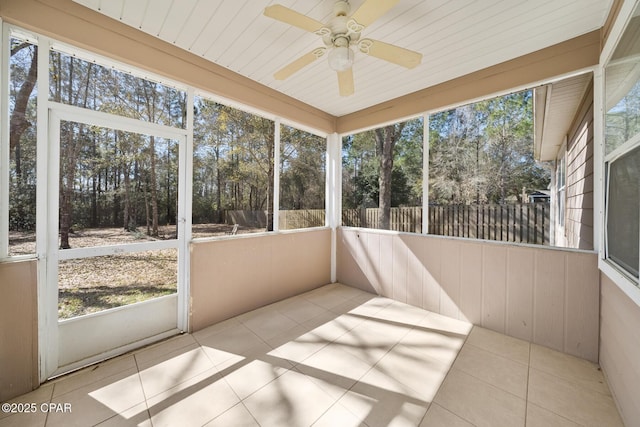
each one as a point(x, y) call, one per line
point(334, 356)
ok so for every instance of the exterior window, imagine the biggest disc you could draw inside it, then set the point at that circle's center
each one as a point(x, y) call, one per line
point(623, 206)
point(233, 169)
point(22, 150)
point(382, 178)
point(482, 172)
point(622, 148)
point(302, 179)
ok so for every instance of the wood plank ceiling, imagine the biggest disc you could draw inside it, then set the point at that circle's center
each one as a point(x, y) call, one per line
point(456, 37)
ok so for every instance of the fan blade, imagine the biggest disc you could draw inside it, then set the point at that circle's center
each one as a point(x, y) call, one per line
point(371, 10)
point(299, 63)
point(396, 54)
point(291, 17)
point(345, 82)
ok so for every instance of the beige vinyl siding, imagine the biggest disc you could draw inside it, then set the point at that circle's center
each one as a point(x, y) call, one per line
point(547, 296)
point(235, 275)
point(579, 186)
point(18, 329)
point(620, 348)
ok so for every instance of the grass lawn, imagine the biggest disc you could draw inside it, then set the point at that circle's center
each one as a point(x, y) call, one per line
point(89, 285)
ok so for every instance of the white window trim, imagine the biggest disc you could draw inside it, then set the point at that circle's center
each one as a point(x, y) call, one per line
point(627, 286)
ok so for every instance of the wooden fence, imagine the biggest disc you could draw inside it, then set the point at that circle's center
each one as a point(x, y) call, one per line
point(288, 220)
point(402, 219)
point(522, 223)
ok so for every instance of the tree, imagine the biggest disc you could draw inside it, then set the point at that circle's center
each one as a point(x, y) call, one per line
point(22, 141)
point(483, 152)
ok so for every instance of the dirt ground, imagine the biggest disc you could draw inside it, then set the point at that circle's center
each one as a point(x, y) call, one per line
point(89, 285)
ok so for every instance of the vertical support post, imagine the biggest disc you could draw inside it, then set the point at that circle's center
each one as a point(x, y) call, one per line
point(185, 197)
point(598, 161)
point(47, 152)
point(276, 176)
point(425, 173)
point(4, 143)
point(333, 197)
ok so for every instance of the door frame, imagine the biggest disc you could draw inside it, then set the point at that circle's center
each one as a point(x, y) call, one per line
point(53, 360)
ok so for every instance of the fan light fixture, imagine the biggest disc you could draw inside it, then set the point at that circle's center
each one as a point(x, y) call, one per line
point(339, 35)
point(341, 58)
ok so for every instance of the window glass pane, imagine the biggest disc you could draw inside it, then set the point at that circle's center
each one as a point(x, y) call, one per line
point(22, 147)
point(232, 171)
point(622, 88)
point(86, 84)
point(302, 179)
point(622, 120)
point(483, 175)
point(116, 187)
point(382, 178)
point(89, 285)
point(623, 206)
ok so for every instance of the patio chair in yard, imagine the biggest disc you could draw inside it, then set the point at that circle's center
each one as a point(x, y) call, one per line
point(233, 231)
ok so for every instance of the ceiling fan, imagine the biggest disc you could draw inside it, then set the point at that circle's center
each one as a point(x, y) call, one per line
point(339, 36)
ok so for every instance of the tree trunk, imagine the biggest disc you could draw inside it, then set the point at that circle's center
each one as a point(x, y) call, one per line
point(270, 177)
point(386, 140)
point(154, 188)
point(218, 187)
point(18, 121)
point(127, 220)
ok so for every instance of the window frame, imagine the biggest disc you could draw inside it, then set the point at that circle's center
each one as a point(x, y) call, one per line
point(608, 267)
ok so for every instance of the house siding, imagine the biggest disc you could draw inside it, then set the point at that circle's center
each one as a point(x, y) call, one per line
point(18, 329)
point(579, 186)
point(232, 276)
point(547, 296)
point(620, 348)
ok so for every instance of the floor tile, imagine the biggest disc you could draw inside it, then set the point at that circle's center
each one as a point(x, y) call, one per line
point(173, 369)
point(93, 374)
point(238, 416)
point(34, 419)
point(300, 348)
point(571, 401)
point(215, 328)
point(250, 377)
point(540, 417)
point(138, 416)
point(268, 324)
point(500, 344)
point(437, 416)
point(28, 419)
point(300, 310)
point(366, 343)
point(440, 323)
point(578, 371)
point(480, 403)
point(496, 370)
point(99, 401)
point(236, 340)
point(406, 372)
point(402, 313)
point(380, 407)
point(292, 399)
point(443, 346)
point(335, 356)
point(338, 415)
point(335, 366)
point(147, 356)
point(192, 403)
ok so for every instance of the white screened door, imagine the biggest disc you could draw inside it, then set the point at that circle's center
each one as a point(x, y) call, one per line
point(116, 235)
